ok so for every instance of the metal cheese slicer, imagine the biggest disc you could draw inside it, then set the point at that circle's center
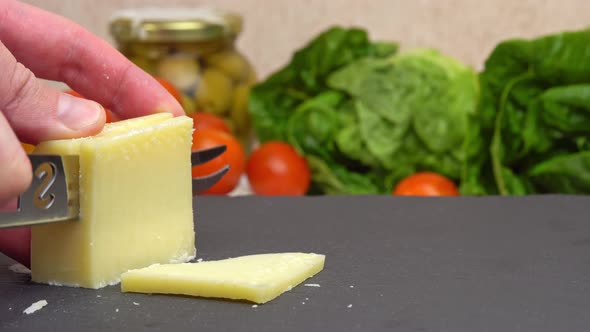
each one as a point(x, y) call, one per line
point(52, 198)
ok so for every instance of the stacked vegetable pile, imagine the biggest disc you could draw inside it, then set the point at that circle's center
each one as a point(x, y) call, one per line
point(365, 115)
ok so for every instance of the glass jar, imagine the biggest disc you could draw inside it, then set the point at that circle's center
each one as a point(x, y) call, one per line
point(194, 49)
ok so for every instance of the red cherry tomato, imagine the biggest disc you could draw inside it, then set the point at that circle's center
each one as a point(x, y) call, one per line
point(171, 89)
point(207, 120)
point(29, 148)
point(426, 184)
point(275, 168)
point(233, 156)
point(74, 93)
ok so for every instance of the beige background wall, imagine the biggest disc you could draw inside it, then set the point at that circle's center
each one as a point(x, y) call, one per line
point(467, 29)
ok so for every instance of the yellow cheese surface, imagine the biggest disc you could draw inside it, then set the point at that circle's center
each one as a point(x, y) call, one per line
point(256, 278)
point(135, 204)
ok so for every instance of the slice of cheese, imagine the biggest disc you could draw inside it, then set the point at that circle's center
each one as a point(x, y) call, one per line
point(256, 278)
point(135, 204)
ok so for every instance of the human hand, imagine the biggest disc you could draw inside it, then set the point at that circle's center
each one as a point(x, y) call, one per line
point(37, 44)
point(15, 242)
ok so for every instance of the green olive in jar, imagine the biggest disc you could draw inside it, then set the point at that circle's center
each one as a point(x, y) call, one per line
point(230, 63)
point(215, 91)
point(195, 50)
point(188, 104)
point(147, 65)
point(182, 72)
point(239, 109)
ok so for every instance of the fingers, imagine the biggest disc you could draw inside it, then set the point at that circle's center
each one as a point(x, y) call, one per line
point(37, 113)
point(15, 169)
point(85, 62)
point(16, 242)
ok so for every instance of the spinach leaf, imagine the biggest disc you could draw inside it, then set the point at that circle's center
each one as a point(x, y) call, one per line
point(504, 178)
point(335, 179)
point(296, 105)
point(349, 141)
point(567, 174)
point(381, 137)
point(352, 147)
point(272, 102)
point(533, 118)
point(566, 109)
point(420, 97)
point(313, 125)
point(441, 94)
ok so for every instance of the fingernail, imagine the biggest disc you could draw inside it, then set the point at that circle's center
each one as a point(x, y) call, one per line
point(77, 113)
point(175, 108)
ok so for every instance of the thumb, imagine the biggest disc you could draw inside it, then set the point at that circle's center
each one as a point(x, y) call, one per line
point(31, 112)
point(36, 112)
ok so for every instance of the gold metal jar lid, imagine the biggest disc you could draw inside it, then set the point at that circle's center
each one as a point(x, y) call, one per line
point(174, 25)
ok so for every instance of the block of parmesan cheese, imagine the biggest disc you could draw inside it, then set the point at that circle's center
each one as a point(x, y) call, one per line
point(256, 278)
point(135, 204)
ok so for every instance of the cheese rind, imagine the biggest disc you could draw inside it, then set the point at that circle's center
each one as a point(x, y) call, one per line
point(135, 204)
point(257, 278)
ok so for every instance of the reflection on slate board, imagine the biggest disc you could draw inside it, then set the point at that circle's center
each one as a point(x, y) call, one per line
point(392, 264)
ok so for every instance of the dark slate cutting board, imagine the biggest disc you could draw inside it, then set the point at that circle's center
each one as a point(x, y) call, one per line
point(404, 264)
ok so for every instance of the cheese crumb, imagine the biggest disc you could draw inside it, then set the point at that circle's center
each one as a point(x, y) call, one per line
point(312, 285)
point(135, 303)
point(117, 310)
point(302, 302)
point(349, 306)
point(255, 306)
point(35, 306)
point(98, 295)
point(351, 286)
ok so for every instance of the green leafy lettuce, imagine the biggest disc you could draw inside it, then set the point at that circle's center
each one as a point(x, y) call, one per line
point(364, 115)
point(532, 131)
